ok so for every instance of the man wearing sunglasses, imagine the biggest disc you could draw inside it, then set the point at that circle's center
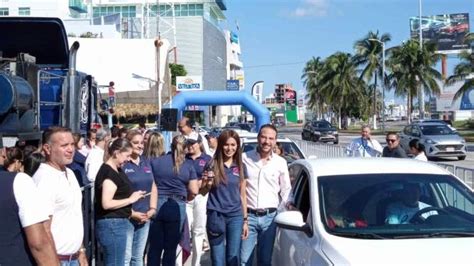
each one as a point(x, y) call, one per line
point(393, 148)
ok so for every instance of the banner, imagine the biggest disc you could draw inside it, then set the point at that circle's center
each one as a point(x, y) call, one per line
point(232, 85)
point(257, 91)
point(447, 31)
point(188, 83)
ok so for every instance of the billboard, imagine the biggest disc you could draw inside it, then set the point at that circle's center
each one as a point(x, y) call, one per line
point(447, 31)
point(232, 85)
point(188, 83)
point(444, 102)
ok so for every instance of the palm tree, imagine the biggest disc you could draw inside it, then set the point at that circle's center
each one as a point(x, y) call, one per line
point(340, 84)
point(412, 67)
point(464, 70)
point(311, 75)
point(369, 56)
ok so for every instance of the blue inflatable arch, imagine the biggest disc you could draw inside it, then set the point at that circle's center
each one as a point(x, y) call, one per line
point(183, 99)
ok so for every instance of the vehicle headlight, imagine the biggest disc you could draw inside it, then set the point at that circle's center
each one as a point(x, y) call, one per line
point(430, 141)
point(334, 132)
point(463, 141)
point(317, 132)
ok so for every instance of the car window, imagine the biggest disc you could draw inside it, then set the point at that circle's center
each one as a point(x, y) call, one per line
point(456, 199)
point(301, 195)
point(395, 205)
point(436, 130)
point(415, 131)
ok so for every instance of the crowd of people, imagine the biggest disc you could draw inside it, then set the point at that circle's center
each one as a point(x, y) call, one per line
point(366, 146)
point(205, 193)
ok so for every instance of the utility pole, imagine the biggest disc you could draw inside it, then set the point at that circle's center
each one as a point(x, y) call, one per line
point(421, 96)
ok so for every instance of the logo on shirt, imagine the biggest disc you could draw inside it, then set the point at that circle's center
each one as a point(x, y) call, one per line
point(202, 163)
point(147, 169)
point(128, 171)
point(236, 171)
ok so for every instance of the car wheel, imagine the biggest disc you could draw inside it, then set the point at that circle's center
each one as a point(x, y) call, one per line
point(314, 138)
point(461, 158)
point(336, 142)
point(302, 136)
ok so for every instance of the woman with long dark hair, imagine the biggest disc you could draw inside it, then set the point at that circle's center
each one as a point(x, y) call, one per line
point(113, 205)
point(227, 202)
point(176, 179)
point(418, 150)
point(139, 172)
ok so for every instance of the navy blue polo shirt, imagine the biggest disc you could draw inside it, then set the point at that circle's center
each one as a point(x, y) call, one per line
point(200, 163)
point(141, 177)
point(168, 182)
point(225, 198)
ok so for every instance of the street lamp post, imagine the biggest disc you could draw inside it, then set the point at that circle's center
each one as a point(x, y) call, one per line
point(383, 81)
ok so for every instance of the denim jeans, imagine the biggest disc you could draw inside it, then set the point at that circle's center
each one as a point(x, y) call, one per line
point(69, 263)
point(140, 237)
point(262, 230)
point(115, 237)
point(226, 252)
point(166, 230)
point(196, 213)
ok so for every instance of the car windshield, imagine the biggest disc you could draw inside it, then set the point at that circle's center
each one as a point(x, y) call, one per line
point(290, 150)
point(321, 125)
point(396, 206)
point(436, 130)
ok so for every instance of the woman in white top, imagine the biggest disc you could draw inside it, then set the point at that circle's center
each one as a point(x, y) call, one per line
point(417, 149)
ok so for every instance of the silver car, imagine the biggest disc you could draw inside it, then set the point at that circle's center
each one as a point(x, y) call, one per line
point(438, 138)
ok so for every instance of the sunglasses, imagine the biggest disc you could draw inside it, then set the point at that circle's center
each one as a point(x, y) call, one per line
point(391, 140)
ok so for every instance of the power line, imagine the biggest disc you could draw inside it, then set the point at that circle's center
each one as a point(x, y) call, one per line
point(275, 65)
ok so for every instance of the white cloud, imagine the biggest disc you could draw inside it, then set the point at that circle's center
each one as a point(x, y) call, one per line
point(311, 8)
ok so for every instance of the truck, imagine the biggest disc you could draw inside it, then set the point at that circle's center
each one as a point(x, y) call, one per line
point(39, 83)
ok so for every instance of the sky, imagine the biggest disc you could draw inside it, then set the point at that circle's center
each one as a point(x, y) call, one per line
point(278, 37)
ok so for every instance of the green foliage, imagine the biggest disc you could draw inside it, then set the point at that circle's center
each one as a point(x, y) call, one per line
point(463, 70)
point(176, 70)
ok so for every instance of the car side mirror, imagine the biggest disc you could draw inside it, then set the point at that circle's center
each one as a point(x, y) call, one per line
point(293, 220)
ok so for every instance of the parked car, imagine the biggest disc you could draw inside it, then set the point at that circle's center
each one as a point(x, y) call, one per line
point(439, 139)
point(455, 28)
point(320, 130)
point(291, 151)
point(342, 214)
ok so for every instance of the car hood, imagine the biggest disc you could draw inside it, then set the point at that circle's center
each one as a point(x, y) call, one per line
point(444, 138)
point(426, 251)
point(325, 129)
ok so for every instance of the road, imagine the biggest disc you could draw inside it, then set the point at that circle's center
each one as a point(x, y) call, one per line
point(345, 139)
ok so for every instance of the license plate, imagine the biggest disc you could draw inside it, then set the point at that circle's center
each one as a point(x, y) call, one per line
point(449, 148)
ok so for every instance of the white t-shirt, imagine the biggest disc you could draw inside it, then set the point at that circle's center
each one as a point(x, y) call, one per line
point(31, 204)
point(94, 161)
point(360, 147)
point(422, 157)
point(63, 195)
point(399, 213)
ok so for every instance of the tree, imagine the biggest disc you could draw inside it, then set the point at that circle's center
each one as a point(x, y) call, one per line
point(311, 76)
point(340, 86)
point(464, 70)
point(369, 56)
point(176, 71)
point(412, 67)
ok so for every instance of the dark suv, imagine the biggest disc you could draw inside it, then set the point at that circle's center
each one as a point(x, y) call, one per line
point(320, 130)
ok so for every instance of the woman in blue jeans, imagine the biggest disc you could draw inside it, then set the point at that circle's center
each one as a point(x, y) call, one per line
point(139, 172)
point(175, 178)
point(113, 205)
point(227, 202)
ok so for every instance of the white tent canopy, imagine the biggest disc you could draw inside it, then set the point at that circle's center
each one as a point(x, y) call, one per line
point(130, 63)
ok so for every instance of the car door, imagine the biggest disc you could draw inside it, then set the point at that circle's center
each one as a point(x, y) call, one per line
point(295, 247)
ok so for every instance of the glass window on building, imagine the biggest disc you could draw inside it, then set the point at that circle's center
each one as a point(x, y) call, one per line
point(4, 11)
point(199, 9)
point(184, 10)
point(177, 10)
point(24, 11)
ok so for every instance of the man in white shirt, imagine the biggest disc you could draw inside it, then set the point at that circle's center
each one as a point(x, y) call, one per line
point(27, 242)
point(63, 195)
point(268, 189)
point(403, 211)
point(95, 159)
point(365, 146)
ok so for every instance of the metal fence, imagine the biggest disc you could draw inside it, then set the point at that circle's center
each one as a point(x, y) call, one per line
point(322, 150)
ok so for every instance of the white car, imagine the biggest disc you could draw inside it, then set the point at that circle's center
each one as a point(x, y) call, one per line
point(375, 211)
point(291, 151)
